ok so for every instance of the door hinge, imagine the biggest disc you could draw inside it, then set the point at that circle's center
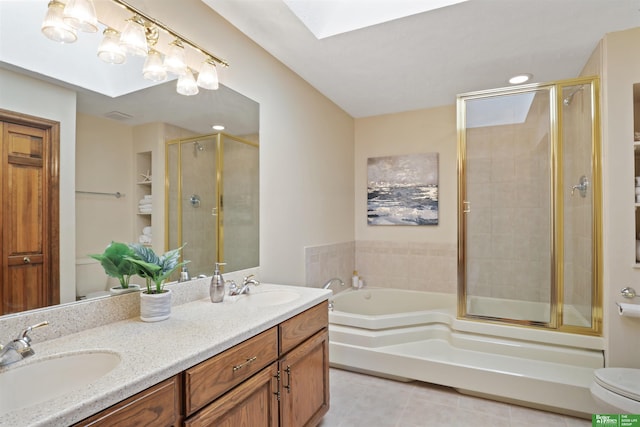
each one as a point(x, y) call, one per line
point(277, 393)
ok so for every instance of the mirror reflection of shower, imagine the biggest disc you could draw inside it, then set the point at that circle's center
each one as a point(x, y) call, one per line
point(201, 170)
point(569, 98)
point(197, 147)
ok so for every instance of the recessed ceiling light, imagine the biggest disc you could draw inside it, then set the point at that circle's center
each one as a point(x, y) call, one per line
point(520, 78)
point(218, 127)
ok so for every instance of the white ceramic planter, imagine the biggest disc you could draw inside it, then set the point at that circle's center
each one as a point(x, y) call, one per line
point(155, 307)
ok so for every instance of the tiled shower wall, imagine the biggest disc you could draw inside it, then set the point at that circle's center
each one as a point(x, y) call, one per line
point(401, 265)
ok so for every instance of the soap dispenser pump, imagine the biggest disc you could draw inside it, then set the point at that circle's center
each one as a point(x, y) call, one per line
point(216, 289)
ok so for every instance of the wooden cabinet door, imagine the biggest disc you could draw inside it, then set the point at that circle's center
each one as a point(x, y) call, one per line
point(304, 382)
point(26, 282)
point(251, 404)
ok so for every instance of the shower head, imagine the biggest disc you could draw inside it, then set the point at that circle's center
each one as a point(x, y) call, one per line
point(567, 100)
point(197, 147)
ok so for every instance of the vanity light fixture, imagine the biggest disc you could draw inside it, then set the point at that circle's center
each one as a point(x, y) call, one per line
point(174, 62)
point(81, 15)
point(208, 75)
point(153, 68)
point(54, 26)
point(139, 36)
point(520, 78)
point(133, 38)
point(110, 50)
point(187, 84)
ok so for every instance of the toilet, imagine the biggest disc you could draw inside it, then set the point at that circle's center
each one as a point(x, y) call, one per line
point(617, 390)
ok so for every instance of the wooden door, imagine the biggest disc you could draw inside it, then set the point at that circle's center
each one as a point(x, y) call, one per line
point(29, 215)
point(304, 383)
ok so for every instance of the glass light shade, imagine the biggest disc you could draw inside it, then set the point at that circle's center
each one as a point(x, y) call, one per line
point(175, 62)
point(133, 39)
point(153, 69)
point(81, 15)
point(208, 76)
point(187, 84)
point(54, 27)
point(110, 50)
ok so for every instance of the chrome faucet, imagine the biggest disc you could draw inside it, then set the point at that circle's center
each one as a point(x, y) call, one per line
point(19, 348)
point(329, 282)
point(234, 289)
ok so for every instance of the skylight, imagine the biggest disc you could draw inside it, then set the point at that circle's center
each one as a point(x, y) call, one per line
point(326, 18)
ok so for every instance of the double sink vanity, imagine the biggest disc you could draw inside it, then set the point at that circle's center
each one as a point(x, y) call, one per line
point(259, 359)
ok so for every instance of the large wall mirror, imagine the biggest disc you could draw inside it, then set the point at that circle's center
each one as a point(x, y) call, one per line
point(115, 129)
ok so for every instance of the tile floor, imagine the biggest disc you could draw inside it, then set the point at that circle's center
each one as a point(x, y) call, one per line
point(359, 400)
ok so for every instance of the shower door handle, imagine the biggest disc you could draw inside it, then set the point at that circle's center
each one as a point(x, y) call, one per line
point(581, 186)
point(466, 206)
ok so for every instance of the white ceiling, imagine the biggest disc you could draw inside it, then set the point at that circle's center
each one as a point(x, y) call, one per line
point(425, 60)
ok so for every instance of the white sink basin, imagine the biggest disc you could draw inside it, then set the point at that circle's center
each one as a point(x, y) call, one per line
point(45, 379)
point(267, 298)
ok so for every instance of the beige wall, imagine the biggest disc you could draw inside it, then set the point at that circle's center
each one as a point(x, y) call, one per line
point(103, 164)
point(408, 257)
point(621, 71)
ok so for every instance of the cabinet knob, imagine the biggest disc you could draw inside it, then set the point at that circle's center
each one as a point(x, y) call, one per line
point(26, 260)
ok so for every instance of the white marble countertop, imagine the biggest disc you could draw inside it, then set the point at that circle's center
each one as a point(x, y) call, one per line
point(153, 352)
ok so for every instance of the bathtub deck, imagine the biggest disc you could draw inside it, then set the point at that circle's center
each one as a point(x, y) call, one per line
point(530, 374)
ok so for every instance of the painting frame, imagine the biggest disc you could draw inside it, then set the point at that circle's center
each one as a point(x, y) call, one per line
point(403, 190)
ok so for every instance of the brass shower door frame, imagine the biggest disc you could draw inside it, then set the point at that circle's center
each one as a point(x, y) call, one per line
point(179, 142)
point(556, 204)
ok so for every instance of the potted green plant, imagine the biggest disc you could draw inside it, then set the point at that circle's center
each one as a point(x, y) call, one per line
point(117, 263)
point(155, 301)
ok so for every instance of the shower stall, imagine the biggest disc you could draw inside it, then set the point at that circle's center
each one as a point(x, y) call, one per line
point(212, 188)
point(530, 206)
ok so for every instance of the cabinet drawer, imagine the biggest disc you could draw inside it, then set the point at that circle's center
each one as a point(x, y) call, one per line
point(157, 406)
point(300, 327)
point(253, 403)
point(211, 378)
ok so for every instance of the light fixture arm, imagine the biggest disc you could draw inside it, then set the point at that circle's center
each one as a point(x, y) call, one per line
point(159, 24)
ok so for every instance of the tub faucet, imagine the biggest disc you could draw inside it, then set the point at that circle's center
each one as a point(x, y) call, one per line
point(19, 348)
point(244, 289)
point(329, 282)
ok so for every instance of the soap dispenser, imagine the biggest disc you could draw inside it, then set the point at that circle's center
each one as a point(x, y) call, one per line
point(216, 289)
point(184, 274)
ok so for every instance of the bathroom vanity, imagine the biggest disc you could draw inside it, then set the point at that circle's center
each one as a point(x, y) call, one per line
point(253, 383)
point(250, 360)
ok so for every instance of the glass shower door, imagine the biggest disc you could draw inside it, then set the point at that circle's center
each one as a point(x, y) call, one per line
point(576, 136)
point(192, 167)
point(506, 193)
point(240, 206)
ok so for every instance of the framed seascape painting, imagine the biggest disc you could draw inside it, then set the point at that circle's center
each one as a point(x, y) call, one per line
point(402, 190)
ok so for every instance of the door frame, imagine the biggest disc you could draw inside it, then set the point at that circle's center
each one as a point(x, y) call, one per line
point(52, 170)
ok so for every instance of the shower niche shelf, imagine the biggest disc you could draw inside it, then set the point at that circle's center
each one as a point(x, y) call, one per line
point(144, 198)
